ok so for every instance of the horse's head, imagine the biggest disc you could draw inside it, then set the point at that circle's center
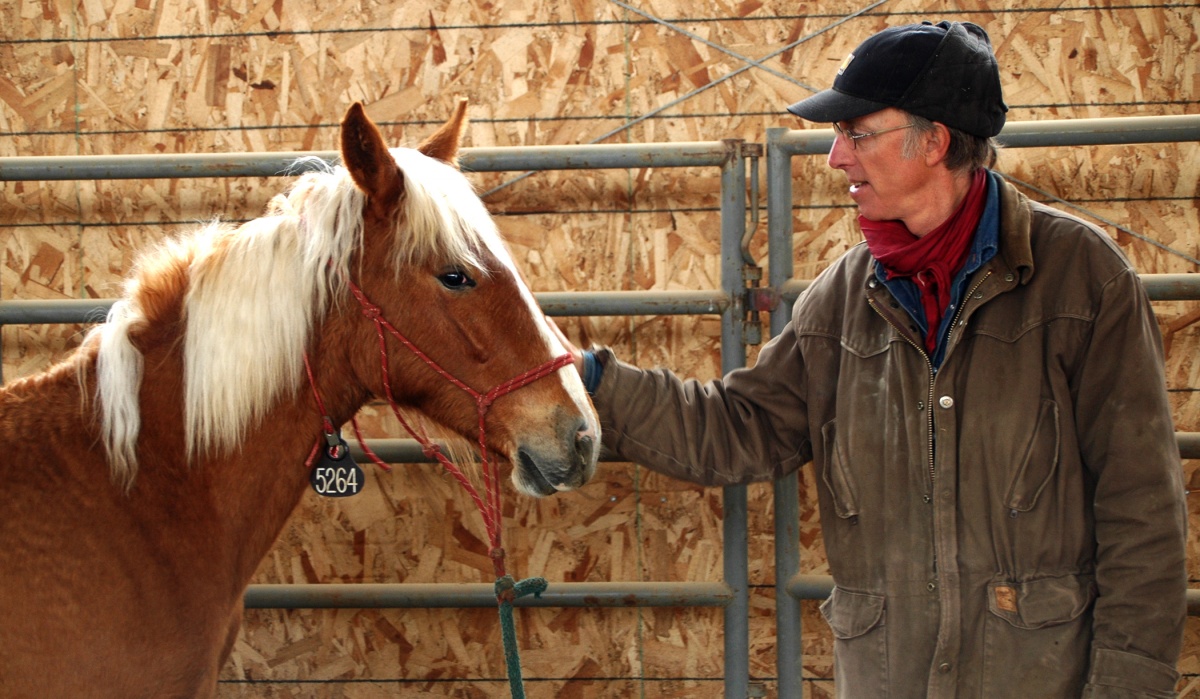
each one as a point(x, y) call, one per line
point(433, 263)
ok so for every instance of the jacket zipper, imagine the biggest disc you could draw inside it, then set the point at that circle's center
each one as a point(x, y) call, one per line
point(932, 374)
point(963, 303)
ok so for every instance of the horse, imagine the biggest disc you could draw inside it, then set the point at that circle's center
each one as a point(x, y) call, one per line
point(146, 475)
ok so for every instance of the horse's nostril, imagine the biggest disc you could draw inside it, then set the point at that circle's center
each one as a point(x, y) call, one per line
point(585, 447)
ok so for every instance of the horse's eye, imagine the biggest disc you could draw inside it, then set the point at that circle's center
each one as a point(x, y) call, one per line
point(456, 279)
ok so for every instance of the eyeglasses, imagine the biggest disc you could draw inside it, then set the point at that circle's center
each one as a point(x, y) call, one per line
point(854, 137)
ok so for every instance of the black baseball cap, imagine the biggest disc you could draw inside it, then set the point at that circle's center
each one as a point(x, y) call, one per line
point(944, 72)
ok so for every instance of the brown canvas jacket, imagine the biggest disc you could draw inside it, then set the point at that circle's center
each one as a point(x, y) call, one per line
point(1010, 526)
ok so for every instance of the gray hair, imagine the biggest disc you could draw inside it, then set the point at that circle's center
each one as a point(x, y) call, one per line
point(966, 152)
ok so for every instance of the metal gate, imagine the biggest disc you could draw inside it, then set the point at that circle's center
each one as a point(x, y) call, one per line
point(739, 294)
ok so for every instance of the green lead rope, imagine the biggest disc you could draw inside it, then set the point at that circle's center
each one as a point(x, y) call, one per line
point(506, 592)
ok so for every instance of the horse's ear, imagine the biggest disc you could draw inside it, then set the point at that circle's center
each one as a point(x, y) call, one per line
point(444, 143)
point(367, 158)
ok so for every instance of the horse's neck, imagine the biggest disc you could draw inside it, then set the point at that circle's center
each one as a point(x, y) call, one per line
point(216, 515)
point(261, 482)
point(279, 452)
point(250, 491)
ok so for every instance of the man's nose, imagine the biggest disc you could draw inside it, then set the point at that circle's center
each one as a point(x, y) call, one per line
point(841, 153)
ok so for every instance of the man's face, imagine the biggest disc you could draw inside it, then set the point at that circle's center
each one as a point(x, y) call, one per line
point(885, 182)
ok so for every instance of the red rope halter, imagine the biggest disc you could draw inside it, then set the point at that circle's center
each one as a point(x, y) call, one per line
point(488, 504)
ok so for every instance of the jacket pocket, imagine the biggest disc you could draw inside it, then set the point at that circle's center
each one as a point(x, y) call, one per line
point(837, 475)
point(1036, 637)
point(1039, 463)
point(859, 642)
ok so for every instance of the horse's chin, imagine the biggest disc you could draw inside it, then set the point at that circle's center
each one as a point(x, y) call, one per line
point(530, 481)
point(530, 475)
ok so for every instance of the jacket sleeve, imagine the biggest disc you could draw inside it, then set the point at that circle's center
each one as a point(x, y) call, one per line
point(749, 426)
point(1128, 445)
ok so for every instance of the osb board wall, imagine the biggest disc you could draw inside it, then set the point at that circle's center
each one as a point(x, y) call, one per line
point(173, 76)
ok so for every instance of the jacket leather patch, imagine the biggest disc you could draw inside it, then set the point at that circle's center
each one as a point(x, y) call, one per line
point(1006, 599)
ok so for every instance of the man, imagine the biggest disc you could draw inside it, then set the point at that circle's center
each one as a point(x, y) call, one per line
point(980, 389)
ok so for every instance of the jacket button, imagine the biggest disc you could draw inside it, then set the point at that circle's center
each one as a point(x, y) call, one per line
point(872, 283)
point(932, 586)
point(946, 402)
point(944, 668)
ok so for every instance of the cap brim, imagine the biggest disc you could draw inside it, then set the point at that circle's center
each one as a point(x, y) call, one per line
point(830, 105)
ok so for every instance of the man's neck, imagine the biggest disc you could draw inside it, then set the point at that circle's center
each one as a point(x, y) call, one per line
point(946, 194)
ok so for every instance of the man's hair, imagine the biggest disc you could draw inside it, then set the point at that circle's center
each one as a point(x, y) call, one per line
point(966, 152)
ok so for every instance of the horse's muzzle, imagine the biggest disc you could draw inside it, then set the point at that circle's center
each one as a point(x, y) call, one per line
point(544, 469)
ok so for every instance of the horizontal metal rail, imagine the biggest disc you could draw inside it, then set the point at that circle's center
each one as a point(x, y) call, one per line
point(408, 451)
point(43, 311)
point(1049, 133)
point(556, 303)
point(421, 595)
point(818, 587)
point(1160, 287)
point(632, 303)
point(1054, 132)
point(1189, 444)
point(186, 165)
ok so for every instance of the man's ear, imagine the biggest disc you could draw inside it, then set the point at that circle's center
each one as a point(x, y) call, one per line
point(935, 144)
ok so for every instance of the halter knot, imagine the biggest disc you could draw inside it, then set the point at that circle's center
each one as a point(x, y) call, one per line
point(371, 311)
point(506, 589)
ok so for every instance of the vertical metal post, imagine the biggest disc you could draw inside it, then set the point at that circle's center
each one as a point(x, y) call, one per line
point(733, 356)
point(788, 651)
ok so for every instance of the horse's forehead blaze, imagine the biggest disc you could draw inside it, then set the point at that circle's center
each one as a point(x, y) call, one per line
point(516, 282)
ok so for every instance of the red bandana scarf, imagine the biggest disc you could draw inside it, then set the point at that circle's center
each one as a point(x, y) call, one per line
point(932, 260)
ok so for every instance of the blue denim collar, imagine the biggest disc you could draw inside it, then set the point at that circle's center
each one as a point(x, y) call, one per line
point(983, 248)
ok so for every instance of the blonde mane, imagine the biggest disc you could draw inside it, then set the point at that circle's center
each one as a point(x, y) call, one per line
point(254, 294)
